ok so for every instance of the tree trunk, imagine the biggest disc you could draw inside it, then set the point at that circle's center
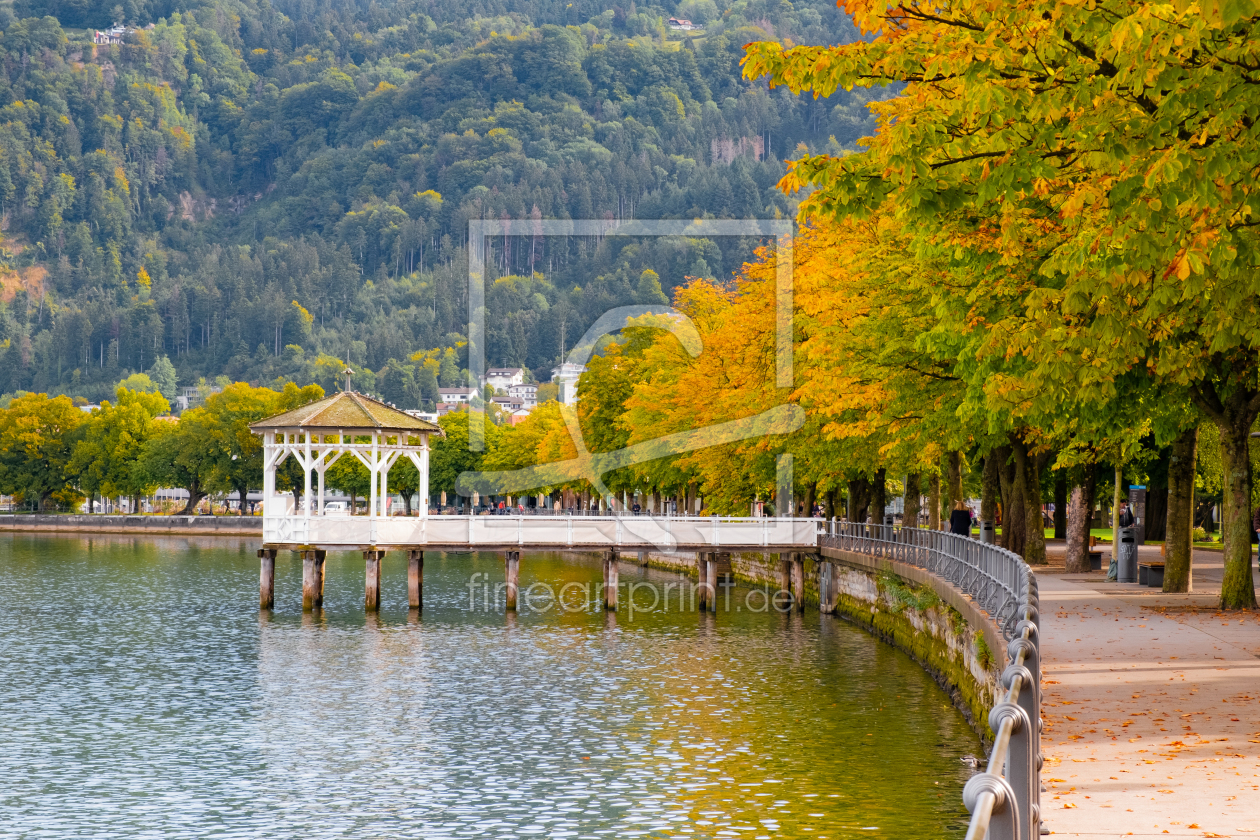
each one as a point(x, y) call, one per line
point(406, 497)
point(829, 499)
point(934, 502)
point(879, 497)
point(1010, 509)
point(1060, 504)
point(194, 498)
point(1178, 551)
point(241, 492)
point(1080, 512)
point(911, 517)
point(1156, 529)
point(1028, 472)
point(1014, 510)
point(811, 492)
point(989, 489)
point(859, 499)
point(954, 464)
point(1238, 590)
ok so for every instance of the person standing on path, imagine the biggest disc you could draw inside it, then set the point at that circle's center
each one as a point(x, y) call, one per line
point(960, 520)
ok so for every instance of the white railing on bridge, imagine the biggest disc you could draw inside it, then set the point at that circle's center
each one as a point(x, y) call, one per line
point(583, 532)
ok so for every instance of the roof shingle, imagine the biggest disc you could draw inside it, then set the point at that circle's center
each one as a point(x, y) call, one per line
point(347, 410)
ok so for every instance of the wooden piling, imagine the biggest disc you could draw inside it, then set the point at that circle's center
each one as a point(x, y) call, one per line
point(372, 585)
point(611, 581)
point(267, 578)
point(312, 580)
point(512, 568)
point(320, 557)
point(785, 572)
point(711, 580)
point(798, 581)
point(826, 587)
point(415, 579)
point(703, 593)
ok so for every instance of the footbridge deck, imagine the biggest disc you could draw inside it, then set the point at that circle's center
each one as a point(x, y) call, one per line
point(541, 533)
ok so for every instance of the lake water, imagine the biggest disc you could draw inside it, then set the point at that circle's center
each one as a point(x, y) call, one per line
point(143, 694)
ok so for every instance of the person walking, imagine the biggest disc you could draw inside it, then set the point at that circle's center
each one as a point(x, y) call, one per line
point(960, 520)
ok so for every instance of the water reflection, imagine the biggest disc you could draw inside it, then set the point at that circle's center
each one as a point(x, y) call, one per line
point(143, 694)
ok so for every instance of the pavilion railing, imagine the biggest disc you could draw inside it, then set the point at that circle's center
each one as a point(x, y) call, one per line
point(1005, 799)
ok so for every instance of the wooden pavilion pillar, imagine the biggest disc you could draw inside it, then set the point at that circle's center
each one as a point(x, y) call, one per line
point(415, 579)
point(512, 568)
point(313, 579)
point(372, 584)
point(267, 578)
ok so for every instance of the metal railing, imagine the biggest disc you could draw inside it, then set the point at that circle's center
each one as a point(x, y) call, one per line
point(1005, 799)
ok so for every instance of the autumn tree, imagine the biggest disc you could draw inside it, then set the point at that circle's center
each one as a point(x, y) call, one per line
point(110, 443)
point(1105, 146)
point(37, 435)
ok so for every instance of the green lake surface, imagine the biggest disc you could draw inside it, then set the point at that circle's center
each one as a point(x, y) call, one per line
point(144, 695)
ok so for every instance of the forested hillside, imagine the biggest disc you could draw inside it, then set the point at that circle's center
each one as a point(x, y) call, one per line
point(263, 190)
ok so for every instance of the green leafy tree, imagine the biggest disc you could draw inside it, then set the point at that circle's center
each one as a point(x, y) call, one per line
point(236, 461)
point(163, 375)
point(37, 435)
point(110, 444)
point(180, 454)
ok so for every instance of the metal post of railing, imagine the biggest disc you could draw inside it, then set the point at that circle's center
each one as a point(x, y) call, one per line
point(1005, 799)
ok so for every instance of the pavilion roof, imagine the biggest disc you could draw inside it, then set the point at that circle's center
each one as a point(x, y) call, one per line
point(347, 410)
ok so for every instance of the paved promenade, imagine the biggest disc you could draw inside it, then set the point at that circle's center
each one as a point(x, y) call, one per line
point(1152, 708)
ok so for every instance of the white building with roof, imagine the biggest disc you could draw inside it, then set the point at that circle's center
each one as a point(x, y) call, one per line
point(503, 378)
point(456, 395)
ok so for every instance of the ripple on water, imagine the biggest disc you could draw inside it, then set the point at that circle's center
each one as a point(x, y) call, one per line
point(142, 695)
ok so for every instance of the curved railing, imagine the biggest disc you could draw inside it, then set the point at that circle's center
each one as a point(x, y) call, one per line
point(1004, 800)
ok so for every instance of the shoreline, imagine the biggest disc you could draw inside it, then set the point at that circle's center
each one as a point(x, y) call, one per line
point(97, 523)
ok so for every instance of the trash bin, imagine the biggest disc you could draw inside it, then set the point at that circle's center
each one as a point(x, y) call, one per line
point(888, 519)
point(988, 533)
point(1126, 560)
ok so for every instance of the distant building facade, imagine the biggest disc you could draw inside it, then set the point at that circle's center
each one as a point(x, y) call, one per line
point(526, 392)
point(566, 376)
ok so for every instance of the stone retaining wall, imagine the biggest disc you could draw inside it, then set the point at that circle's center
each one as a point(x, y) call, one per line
point(245, 526)
point(925, 616)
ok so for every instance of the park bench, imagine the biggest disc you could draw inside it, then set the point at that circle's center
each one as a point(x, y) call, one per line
point(1151, 573)
point(1095, 556)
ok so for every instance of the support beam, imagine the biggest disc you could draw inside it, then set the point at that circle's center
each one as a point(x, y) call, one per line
point(267, 578)
point(611, 581)
point(312, 579)
point(372, 585)
point(415, 579)
point(798, 581)
point(512, 575)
